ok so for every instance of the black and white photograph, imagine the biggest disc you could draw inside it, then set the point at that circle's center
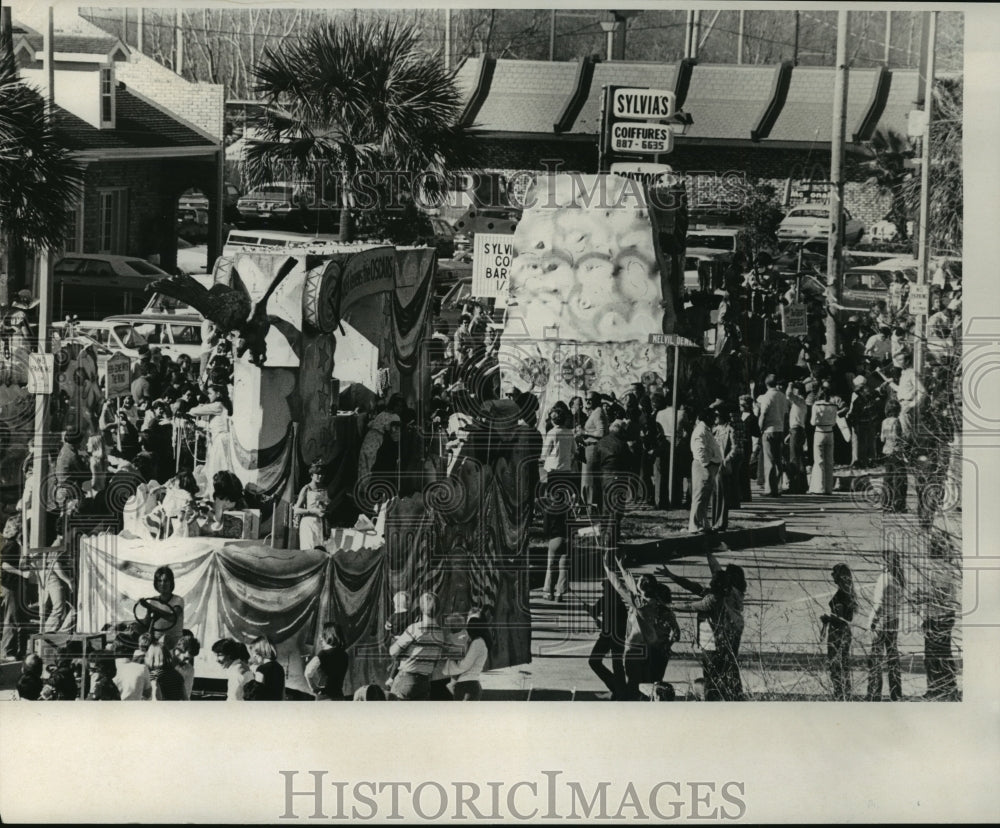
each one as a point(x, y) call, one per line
point(566, 355)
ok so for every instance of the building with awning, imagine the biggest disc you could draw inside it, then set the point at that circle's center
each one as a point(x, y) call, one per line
point(772, 123)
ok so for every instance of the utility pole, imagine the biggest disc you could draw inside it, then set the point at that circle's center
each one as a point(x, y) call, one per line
point(924, 249)
point(40, 467)
point(834, 250)
point(552, 35)
point(888, 38)
point(695, 33)
point(179, 44)
point(739, 42)
point(688, 28)
point(795, 48)
point(447, 39)
point(138, 30)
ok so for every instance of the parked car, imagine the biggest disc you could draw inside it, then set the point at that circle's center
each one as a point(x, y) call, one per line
point(196, 200)
point(192, 258)
point(90, 285)
point(864, 284)
point(709, 250)
point(173, 334)
point(288, 205)
point(159, 304)
point(813, 221)
point(272, 238)
point(112, 337)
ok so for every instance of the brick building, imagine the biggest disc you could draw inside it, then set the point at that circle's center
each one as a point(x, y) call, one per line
point(772, 123)
point(143, 135)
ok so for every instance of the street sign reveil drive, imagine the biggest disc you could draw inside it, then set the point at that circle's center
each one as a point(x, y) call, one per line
point(645, 139)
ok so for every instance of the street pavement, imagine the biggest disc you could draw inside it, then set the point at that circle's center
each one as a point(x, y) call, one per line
point(781, 656)
point(789, 585)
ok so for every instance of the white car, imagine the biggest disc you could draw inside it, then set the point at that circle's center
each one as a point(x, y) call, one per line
point(115, 337)
point(812, 221)
point(192, 258)
point(173, 333)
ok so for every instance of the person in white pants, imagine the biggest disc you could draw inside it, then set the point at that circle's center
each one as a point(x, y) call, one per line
point(824, 419)
point(706, 460)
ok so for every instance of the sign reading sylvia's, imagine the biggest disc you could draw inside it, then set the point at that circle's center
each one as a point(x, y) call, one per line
point(643, 103)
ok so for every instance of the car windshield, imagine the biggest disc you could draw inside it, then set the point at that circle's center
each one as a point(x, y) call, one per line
point(818, 212)
point(166, 304)
point(713, 241)
point(129, 336)
point(144, 268)
point(273, 193)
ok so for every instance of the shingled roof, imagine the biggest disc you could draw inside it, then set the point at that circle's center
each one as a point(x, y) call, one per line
point(75, 44)
point(620, 73)
point(526, 95)
point(726, 101)
point(138, 125)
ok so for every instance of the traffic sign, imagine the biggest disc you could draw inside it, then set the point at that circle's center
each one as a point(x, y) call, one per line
point(920, 299)
point(644, 139)
point(796, 319)
point(672, 339)
point(41, 373)
point(643, 104)
point(119, 375)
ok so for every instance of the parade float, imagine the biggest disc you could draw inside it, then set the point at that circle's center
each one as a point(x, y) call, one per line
point(306, 322)
point(594, 289)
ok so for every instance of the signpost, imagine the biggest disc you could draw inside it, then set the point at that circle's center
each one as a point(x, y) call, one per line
point(920, 299)
point(635, 123)
point(491, 262)
point(637, 103)
point(119, 373)
point(644, 138)
point(796, 319)
point(644, 171)
point(41, 373)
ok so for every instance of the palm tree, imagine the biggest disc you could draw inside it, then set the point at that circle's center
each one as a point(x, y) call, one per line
point(358, 96)
point(39, 179)
point(888, 171)
point(946, 196)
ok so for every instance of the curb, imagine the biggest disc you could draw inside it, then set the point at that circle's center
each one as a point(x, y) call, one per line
point(767, 533)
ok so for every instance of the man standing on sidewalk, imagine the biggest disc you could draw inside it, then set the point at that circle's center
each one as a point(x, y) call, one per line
point(706, 460)
point(797, 418)
point(772, 418)
point(887, 602)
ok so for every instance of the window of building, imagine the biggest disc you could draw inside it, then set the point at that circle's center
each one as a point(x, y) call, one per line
point(73, 242)
point(107, 98)
point(113, 234)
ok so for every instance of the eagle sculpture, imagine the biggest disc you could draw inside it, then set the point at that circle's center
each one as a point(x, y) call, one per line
point(229, 307)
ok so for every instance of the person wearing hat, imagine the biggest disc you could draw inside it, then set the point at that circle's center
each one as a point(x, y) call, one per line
point(311, 509)
point(863, 418)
